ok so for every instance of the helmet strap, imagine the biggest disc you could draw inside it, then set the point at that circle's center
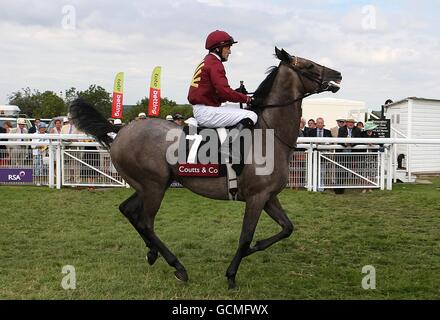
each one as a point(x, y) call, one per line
point(218, 52)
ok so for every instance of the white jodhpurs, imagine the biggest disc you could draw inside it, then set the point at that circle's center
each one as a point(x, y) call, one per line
point(227, 115)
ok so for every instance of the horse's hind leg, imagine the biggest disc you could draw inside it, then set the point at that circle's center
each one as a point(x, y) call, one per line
point(152, 199)
point(131, 209)
point(276, 212)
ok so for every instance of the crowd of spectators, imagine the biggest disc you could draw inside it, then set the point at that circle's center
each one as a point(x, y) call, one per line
point(345, 128)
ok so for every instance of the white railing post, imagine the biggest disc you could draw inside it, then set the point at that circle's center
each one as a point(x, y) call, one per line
point(382, 169)
point(310, 168)
point(391, 170)
point(59, 165)
point(51, 166)
point(315, 170)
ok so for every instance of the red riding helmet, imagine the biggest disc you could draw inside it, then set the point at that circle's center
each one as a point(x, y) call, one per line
point(218, 39)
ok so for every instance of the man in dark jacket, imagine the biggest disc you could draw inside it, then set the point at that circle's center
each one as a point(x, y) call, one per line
point(319, 131)
point(35, 127)
point(349, 131)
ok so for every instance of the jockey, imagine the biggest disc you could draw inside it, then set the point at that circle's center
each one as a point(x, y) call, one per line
point(210, 88)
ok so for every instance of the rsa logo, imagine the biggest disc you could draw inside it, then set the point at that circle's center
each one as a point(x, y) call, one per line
point(16, 177)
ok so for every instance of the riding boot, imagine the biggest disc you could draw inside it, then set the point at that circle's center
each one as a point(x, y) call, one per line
point(233, 136)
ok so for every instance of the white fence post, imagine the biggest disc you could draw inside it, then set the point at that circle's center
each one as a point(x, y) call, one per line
point(310, 168)
point(51, 166)
point(391, 170)
point(315, 170)
point(382, 169)
point(59, 165)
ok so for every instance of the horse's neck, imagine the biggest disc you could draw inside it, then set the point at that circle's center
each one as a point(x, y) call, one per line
point(285, 123)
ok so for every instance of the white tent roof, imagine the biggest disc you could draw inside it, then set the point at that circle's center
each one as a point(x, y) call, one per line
point(331, 109)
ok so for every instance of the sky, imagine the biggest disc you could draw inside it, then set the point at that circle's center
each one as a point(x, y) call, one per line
point(384, 49)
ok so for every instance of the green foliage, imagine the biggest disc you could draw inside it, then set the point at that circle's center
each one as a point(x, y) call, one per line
point(28, 100)
point(98, 97)
point(38, 105)
point(51, 106)
point(335, 236)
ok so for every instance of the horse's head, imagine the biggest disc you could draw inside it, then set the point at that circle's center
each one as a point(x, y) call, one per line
point(314, 78)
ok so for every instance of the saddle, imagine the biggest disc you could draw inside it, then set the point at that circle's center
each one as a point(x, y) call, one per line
point(201, 150)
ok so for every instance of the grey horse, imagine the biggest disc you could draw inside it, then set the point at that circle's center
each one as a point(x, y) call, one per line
point(139, 155)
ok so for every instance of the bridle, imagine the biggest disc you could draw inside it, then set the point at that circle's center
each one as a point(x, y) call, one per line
point(319, 80)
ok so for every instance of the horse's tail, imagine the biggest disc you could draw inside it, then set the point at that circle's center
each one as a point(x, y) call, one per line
point(90, 121)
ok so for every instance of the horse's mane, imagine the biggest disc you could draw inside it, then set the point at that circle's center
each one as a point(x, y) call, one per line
point(264, 88)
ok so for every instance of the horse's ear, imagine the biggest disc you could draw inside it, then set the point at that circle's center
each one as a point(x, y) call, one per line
point(286, 56)
point(282, 55)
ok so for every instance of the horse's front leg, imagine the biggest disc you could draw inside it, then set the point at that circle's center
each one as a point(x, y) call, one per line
point(276, 212)
point(254, 206)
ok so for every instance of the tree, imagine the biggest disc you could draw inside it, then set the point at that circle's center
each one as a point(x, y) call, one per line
point(98, 97)
point(26, 99)
point(38, 105)
point(51, 105)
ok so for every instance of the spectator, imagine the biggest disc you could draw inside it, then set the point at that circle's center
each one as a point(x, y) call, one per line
point(178, 119)
point(3, 151)
point(7, 126)
point(57, 128)
point(369, 130)
point(142, 115)
point(35, 127)
point(369, 166)
point(302, 127)
point(360, 125)
point(69, 128)
point(319, 131)
point(335, 130)
point(19, 153)
point(310, 125)
point(39, 152)
point(348, 131)
point(21, 127)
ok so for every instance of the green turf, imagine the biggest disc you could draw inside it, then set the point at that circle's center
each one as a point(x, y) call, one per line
point(397, 232)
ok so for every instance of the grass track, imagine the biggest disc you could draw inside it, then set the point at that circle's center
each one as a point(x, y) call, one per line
point(397, 232)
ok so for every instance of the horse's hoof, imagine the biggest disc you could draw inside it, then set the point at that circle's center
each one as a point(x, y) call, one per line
point(231, 284)
point(181, 275)
point(151, 257)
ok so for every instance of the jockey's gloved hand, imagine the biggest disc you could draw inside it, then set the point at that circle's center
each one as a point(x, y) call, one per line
point(250, 102)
